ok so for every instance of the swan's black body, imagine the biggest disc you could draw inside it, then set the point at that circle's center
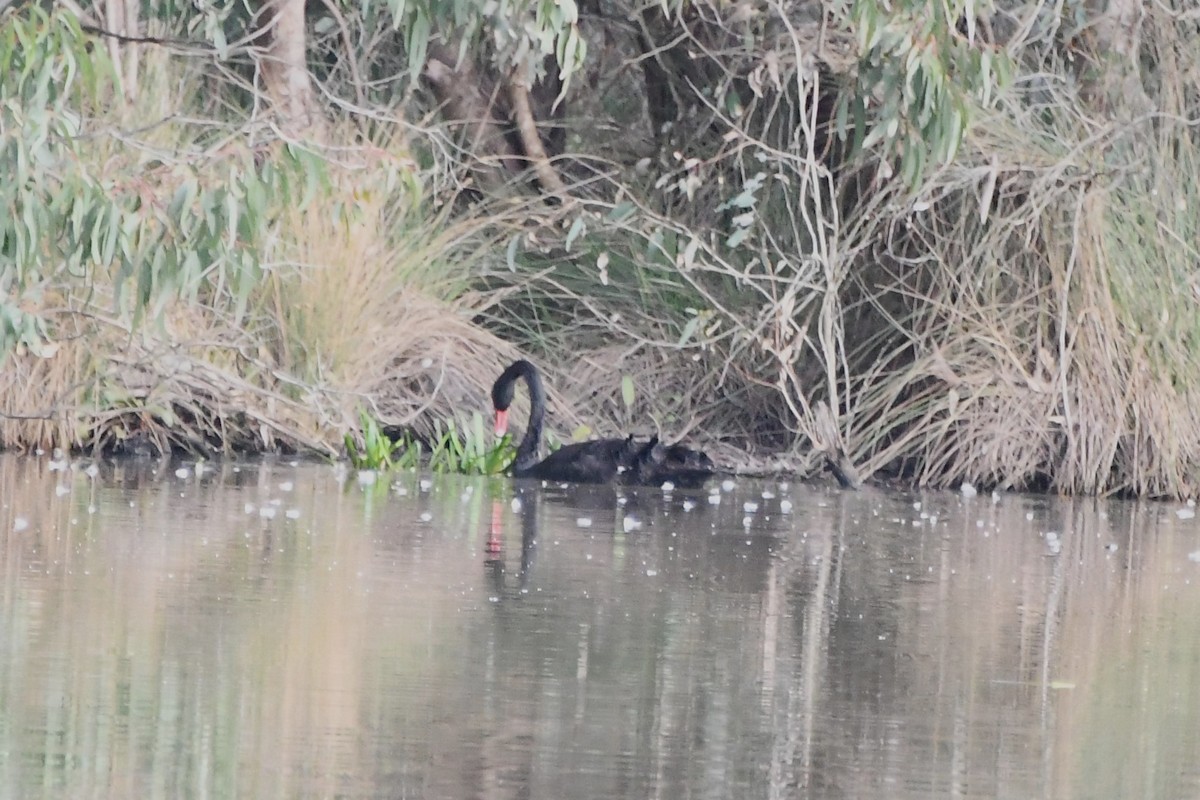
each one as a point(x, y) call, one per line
point(628, 461)
point(656, 464)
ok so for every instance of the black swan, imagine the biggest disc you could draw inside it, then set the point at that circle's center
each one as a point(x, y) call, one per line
point(628, 461)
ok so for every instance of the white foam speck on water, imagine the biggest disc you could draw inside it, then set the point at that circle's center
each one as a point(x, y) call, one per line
point(182, 472)
point(267, 512)
point(785, 506)
point(746, 522)
point(629, 523)
point(967, 490)
point(426, 516)
point(668, 487)
point(1186, 513)
point(688, 505)
point(286, 486)
point(1029, 516)
point(20, 524)
point(714, 499)
point(515, 505)
point(91, 509)
point(200, 468)
point(426, 484)
point(768, 494)
point(293, 513)
point(366, 477)
point(727, 485)
point(584, 522)
point(1194, 556)
point(650, 573)
point(750, 506)
point(57, 466)
point(400, 490)
point(995, 497)
point(92, 471)
point(60, 490)
point(249, 508)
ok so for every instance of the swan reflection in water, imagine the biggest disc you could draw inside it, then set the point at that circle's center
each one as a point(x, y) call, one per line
point(604, 507)
point(529, 497)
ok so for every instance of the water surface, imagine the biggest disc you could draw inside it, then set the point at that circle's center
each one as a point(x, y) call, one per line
point(281, 630)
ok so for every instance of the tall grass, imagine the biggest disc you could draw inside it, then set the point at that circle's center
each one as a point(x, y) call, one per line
point(1040, 312)
point(1023, 317)
point(357, 294)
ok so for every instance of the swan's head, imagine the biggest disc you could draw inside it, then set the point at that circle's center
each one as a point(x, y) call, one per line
point(505, 387)
point(502, 397)
point(502, 394)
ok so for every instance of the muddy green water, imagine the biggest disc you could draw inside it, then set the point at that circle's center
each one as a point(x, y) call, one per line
point(280, 630)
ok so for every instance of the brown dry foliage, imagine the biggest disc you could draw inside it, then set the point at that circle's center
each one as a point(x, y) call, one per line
point(1026, 317)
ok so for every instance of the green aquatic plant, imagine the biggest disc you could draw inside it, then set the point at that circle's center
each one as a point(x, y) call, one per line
point(466, 449)
point(451, 448)
point(371, 448)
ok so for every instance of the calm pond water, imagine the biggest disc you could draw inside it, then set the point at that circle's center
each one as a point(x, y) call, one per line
point(281, 630)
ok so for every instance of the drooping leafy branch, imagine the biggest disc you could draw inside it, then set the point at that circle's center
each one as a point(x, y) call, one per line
point(921, 69)
point(518, 35)
point(147, 228)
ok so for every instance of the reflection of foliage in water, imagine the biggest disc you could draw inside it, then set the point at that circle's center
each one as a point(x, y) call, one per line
point(363, 644)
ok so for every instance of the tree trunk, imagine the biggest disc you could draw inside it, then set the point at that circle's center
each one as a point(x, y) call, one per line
point(121, 17)
point(469, 102)
point(531, 141)
point(285, 67)
point(502, 119)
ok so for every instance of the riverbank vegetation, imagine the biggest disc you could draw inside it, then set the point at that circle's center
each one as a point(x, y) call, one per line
point(942, 243)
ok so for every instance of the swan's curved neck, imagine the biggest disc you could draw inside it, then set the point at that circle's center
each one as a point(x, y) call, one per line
point(528, 450)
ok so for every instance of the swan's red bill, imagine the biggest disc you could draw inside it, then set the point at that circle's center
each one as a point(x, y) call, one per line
point(501, 422)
